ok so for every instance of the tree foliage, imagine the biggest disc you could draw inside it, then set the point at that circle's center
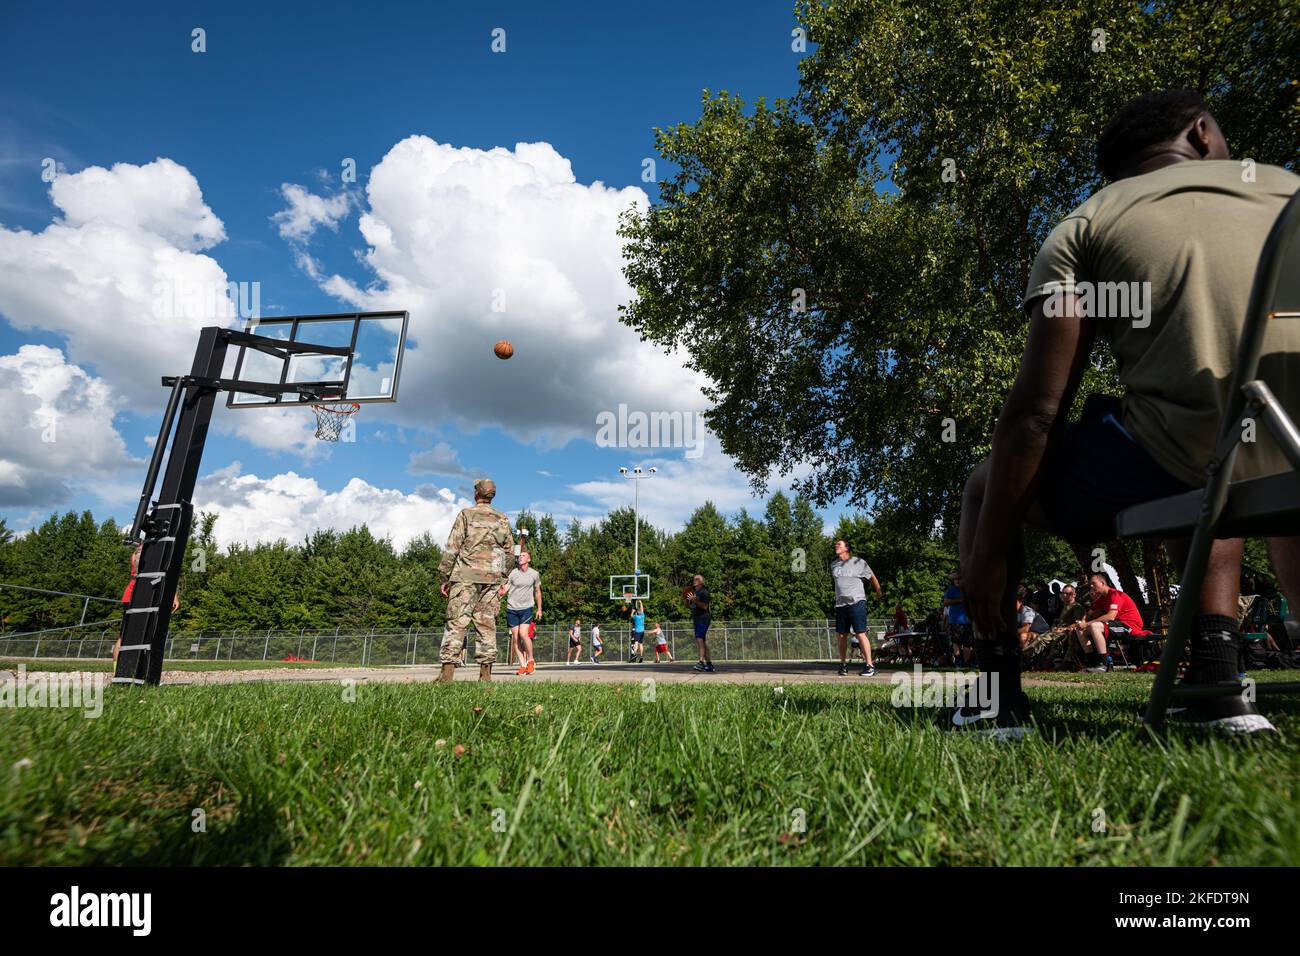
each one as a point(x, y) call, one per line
point(856, 312)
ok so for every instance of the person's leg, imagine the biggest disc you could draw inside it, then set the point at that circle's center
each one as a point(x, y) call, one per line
point(1098, 637)
point(844, 649)
point(998, 654)
point(459, 614)
point(487, 605)
point(1215, 644)
point(865, 646)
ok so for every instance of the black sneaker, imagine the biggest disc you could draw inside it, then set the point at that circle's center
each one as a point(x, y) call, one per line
point(1007, 723)
point(1230, 714)
point(699, 666)
point(844, 670)
point(868, 671)
point(708, 668)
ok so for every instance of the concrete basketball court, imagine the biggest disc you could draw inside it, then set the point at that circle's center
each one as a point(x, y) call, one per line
point(737, 672)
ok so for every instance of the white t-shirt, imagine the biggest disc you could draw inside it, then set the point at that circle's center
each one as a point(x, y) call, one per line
point(595, 633)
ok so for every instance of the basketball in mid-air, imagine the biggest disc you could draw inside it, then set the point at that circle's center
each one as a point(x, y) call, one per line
point(688, 594)
point(503, 349)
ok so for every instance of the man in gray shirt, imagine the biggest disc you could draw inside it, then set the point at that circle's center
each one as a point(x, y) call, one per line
point(523, 606)
point(849, 573)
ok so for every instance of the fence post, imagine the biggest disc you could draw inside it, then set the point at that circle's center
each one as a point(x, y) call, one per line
point(314, 639)
point(266, 646)
point(38, 648)
point(334, 654)
point(779, 654)
point(298, 653)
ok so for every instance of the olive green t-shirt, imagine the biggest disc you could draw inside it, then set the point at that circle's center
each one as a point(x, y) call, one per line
point(1193, 230)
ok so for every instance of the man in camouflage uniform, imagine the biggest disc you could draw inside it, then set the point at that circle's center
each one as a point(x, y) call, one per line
point(479, 555)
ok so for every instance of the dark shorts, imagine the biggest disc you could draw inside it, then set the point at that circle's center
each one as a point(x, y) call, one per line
point(573, 643)
point(963, 635)
point(638, 637)
point(701, 628)
point(851, 618)
point(516, 618)
point(1096, 471)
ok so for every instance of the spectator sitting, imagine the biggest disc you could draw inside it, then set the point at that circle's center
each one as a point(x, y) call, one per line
point(1071, 610)
point(1046, 602)
point(1030, 622)
point(1112, 616)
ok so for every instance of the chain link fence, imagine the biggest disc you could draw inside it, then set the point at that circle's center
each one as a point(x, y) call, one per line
point(728, 641)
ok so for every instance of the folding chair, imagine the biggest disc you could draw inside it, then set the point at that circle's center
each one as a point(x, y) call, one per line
point(1226, 509)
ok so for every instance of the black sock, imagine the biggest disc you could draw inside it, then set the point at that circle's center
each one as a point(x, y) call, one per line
point(1215, 649)
point(1094, 658)
point(1001, 656)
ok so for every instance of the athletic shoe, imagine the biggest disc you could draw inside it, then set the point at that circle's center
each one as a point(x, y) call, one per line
point(522, 671)
point(1095, 669)
point(699, 666)
point(531, 665)
point(1009, 723)
point(844, 670)
point(708, 668)
point(1229, 714)
point(868, 671)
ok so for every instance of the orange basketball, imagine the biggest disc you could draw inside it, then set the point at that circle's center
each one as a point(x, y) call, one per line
point(503, 349)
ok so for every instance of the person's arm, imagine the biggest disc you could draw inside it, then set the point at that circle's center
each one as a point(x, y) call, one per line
point(537, 598)
point(454, 542)
point(875, 583)
point(1033, 415)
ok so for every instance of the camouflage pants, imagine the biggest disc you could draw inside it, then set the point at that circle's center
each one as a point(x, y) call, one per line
point(467, 604)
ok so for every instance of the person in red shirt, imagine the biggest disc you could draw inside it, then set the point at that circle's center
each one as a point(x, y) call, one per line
point(1111, 615)
point(126, 598)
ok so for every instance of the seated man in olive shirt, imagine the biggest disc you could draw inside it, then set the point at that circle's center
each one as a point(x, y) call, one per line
point(1160, 263)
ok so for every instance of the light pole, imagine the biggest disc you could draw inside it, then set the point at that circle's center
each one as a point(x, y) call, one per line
point(637, 476)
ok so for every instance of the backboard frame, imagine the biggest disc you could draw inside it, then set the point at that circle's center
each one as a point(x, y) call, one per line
point(618, 585)
point(254, 394)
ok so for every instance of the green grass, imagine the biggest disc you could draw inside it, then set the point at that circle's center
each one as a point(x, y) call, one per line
point(95, 665)
point(700, 775)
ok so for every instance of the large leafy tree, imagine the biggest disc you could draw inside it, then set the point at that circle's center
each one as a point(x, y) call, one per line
point(847, 266)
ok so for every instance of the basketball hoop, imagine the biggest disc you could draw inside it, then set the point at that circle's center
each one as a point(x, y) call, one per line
point(331, 417)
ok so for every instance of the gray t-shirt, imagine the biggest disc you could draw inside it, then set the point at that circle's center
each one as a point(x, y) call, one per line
point(850, 588)
point(519, 588)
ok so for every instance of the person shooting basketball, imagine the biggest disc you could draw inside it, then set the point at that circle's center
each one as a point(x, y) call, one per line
point(699, 601)
point(523, 606)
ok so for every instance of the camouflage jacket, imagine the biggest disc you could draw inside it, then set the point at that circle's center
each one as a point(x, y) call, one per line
point(480, 548)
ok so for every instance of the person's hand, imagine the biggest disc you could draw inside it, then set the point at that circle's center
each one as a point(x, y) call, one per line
point(984, 584)
point(443, 589)
point(538, 615)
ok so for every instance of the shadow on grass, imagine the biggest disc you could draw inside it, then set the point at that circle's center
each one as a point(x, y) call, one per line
point(253, 838)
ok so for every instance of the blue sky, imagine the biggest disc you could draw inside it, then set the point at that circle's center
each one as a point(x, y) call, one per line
point(281, 96)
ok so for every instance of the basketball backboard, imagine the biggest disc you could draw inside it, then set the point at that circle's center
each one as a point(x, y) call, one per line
point(366, 370)
point(629, 587)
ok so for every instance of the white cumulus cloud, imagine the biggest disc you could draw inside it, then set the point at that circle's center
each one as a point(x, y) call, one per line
point(291, 507)
point(120, 274)
point(58, 430)
point(481, 245)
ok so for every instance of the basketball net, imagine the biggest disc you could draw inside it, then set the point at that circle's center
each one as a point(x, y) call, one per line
point(331, 417)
